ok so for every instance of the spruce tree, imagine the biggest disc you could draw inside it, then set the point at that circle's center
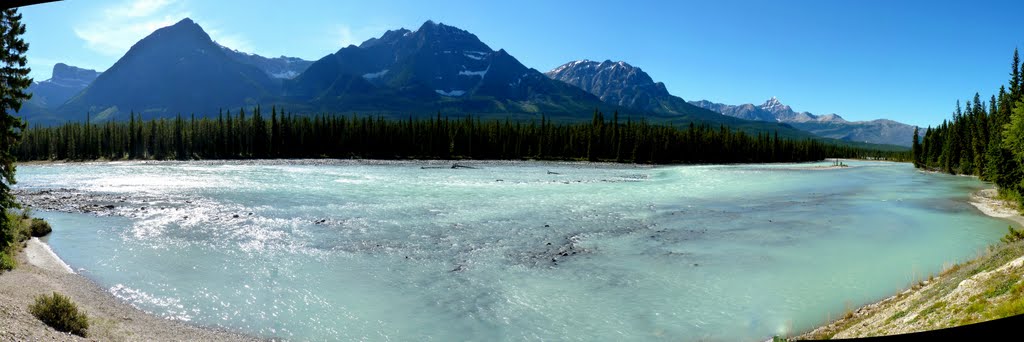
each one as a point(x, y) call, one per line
point(916, 150)
point(14, 81)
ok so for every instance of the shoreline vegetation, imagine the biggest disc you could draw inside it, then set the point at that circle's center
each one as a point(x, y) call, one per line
point(988, 287)
point(41, 272)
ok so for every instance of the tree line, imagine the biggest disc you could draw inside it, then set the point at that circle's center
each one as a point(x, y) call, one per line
point(252, 134)
point(982, 139)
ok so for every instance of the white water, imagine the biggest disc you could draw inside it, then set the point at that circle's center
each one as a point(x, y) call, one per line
point(392, 251)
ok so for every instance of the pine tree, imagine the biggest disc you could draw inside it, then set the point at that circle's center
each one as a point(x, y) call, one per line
point(916, 150)
point(14, 81)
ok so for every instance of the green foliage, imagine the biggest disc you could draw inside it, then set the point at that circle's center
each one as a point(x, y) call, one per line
point(1013, 236)
point(242, 136)
point(12, 234)
point(929, 310)
point(897, 315)
point(14, 81)
point(1001, 288)
point(916, 148)
point(988, 143)
point(40, 227)
point(6, 262)
point(59, 312)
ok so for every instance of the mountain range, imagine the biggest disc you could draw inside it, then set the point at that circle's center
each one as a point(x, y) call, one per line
point(622, 84)
point(881, 131)
point(437, 68)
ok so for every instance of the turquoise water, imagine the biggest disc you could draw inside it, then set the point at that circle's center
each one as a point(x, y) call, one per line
point(509, 250)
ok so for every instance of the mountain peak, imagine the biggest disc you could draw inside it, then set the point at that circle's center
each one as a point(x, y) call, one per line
point(183, 31)
point(772, 103)
point(186, 23)
point(63, 71)
point(619, 83)
point(430, 27)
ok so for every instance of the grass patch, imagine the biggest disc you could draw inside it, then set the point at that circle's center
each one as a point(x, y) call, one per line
point(927, 311)
point(896, 316)
point(1007, 308)
point(1001, 288)
point(59, 312)
point(977, 306)
point(6, 262)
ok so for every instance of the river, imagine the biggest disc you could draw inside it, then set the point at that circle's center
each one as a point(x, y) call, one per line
point(415, 250)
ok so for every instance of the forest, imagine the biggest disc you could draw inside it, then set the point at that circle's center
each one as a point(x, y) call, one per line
point(984, 140)
point(255, 135)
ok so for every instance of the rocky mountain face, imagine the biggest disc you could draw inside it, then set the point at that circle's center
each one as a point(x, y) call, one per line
point(175, 70)
point(279, 68)
point(435, 68)
point(880, 131)
point(613, 82)
point(771, 110)
point(625, 85)
point(65, 82)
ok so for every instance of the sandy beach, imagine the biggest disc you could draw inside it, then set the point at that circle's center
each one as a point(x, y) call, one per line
point(40, 271)
point(987, 201)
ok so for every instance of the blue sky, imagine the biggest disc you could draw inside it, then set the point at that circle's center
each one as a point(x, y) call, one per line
point(904, 60)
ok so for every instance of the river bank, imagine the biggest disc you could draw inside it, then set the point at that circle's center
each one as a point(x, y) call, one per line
point(985, 288)
point(40, 272)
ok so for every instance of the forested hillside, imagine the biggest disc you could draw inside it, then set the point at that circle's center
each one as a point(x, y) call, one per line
point(982, 139)
point(241, 134)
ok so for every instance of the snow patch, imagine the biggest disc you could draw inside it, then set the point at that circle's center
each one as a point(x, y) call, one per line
point(288, 74)
point(480, 73)
point(374, 75)
point(453, 93)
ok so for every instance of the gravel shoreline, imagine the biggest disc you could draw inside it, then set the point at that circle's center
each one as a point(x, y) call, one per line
point(111, 319)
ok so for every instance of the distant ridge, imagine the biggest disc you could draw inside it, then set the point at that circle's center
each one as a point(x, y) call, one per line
point(881, 131)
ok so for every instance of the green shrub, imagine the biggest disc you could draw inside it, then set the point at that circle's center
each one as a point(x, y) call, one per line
point(40, 227)
point(1013, 236)
point(6, 262)
point(59, 312)
point(26, 213)
point(13, 231)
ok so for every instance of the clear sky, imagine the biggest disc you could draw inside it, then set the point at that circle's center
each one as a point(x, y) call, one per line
point(863, 59)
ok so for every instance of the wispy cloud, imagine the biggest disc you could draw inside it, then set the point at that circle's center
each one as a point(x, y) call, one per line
point(233, 41)
point(117, 28)
point(345, 35)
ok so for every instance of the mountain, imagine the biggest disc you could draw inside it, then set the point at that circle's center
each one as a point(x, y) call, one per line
point(879, 131)
point(622, 84)
point(65, 82)
point(435, 68)
point(279, 68)
point(175, 70)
